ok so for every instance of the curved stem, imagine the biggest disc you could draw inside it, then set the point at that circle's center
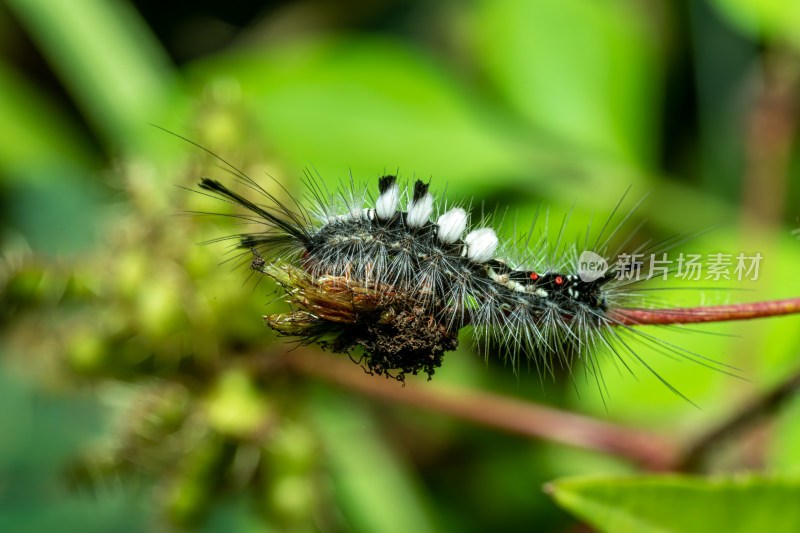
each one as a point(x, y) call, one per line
point(650, 450)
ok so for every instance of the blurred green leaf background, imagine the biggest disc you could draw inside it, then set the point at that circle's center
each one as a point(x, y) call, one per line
point(129, 396)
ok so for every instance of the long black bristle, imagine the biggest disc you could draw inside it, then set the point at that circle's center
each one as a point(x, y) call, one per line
point(292, 229)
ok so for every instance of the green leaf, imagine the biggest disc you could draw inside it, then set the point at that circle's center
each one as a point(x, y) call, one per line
point(106, 57)
point(774, 19)
point(36, 133)
point(366, 104)
point(44, 168)
point(586, 72)
point(672, 503)
point(42, 432)
point(783, 451)
point(376, 491)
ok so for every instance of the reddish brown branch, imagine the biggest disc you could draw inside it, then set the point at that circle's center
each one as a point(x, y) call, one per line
point(692, 315)
point(651, 451)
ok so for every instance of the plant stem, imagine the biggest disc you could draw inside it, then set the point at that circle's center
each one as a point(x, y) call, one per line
point(692, 315)
point(649, 450)
point(694, 455)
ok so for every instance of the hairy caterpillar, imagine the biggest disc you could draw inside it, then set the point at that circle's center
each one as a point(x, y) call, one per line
point(399, 276)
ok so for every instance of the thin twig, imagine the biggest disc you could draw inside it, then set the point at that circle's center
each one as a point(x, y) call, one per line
point(758, 408)
point(693, 315)
point(770, 135)
point(649, 450)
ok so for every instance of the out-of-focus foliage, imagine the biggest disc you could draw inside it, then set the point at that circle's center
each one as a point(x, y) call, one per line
point(138, 385)
point(738, 504)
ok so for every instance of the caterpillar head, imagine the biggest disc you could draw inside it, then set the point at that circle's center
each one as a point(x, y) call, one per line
point(564, 290)
point(570, 289)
